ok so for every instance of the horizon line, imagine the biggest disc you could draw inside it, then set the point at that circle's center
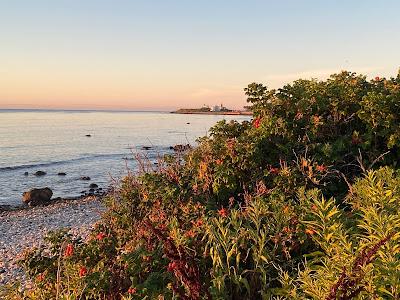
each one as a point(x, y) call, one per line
point(83, 109)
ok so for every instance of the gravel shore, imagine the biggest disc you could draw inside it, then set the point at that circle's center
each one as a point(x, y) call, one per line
point(26, 228)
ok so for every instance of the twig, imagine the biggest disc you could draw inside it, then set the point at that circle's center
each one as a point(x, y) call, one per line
point(359, 160)
point(349, 118)
point(378, 158)
point(345, 179)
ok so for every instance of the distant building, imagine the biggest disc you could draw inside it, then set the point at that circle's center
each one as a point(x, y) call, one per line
point(221, 108)
point(216, 108)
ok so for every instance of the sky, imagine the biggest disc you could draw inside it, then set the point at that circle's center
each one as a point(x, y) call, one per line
point(167, 54)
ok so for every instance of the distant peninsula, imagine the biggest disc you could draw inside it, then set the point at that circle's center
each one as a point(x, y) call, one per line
point(216, 110)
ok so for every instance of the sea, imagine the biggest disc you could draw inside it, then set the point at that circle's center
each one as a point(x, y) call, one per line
point(101, 145)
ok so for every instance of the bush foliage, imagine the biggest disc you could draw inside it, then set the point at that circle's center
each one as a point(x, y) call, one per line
point(300, 203)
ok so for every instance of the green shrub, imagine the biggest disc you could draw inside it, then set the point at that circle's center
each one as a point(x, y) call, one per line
point(359, 255)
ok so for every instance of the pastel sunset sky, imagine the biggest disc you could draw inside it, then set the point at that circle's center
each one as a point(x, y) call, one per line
point(166, 54)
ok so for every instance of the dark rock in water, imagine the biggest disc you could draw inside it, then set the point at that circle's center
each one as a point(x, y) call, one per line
point(171, 147)
point(83, 192)
point(88, 135)
point(37, 196)
point(128, 158)
point(182, 148)
point(93, 186)
point(85, 178)
point(26, 173)
point(100, 189)
point(4, 207)
point(61, 174)
point(91, 190)
point(40, 173)
point(146, 147)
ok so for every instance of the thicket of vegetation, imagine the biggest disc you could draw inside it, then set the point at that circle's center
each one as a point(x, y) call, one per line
point(303, 202)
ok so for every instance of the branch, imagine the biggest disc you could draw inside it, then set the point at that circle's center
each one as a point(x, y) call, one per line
point(345, 179)
point(359, 160)
point(378, 159)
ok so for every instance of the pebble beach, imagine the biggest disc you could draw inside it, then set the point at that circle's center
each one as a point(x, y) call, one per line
point(25, 228)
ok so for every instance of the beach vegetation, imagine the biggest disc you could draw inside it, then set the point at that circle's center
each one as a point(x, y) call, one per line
point(301, 202)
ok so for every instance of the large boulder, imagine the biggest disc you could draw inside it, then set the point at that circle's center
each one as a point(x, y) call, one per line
point(37, 196)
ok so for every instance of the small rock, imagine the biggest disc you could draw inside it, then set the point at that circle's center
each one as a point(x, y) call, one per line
point(91, 190)
point(83, 192)
point(40, 173)
point(26, 173)
point(188, 123)
point(85, 178)
point(146, 147)
point(61, 174)
point(93, 186)
point(88, 135)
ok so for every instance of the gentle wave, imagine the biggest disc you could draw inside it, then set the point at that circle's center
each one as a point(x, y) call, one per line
point(48, 164)
point(151, 153)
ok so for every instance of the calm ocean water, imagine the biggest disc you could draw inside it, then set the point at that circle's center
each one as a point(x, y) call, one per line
point(56, 141)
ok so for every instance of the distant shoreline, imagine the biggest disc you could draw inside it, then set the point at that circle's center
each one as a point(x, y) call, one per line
point(180, 111)
point(228, 113)
point(57, 110)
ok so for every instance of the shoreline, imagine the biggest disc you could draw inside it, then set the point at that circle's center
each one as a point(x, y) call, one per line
point(26, 227)
point(5, 208)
